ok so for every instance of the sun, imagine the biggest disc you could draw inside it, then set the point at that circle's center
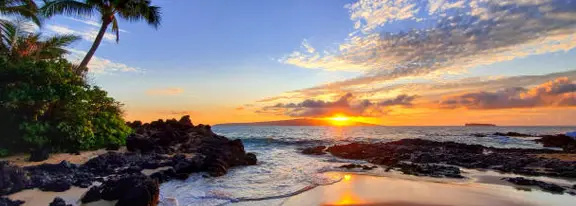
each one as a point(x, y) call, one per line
point(340, 118)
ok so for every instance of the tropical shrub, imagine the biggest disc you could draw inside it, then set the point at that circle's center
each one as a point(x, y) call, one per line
point(47, 103)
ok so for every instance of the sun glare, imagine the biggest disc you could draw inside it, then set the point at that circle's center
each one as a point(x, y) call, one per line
point(340, 118)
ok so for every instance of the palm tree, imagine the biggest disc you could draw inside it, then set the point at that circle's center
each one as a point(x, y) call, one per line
point(18, 42)
point(20, 8)
point(109, 11)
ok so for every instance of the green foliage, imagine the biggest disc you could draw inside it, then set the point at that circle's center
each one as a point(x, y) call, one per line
point(47, 103)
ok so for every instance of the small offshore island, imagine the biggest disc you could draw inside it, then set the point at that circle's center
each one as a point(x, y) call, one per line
point(479, 125)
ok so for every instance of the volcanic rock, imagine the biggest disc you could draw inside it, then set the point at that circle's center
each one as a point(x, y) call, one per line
point(318, 150)
point(549, 187)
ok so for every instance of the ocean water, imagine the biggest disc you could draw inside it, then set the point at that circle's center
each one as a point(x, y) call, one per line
point(282, 171)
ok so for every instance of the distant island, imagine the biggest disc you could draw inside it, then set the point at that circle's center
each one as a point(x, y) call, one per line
point(479, 125)
point(299, 122)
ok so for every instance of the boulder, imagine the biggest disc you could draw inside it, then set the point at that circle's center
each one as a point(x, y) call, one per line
point(92, 195)
point(318, 150)
point(143, 194)
point(251, 159)
point(12, 178)
point(568, 144)
point(139, 142)
point(165, 175)
point(59, 202)
point(548, 187)
point(513, 134)
point(8, 202)
point(57, 185)
point(39, 155)
point(133, 189)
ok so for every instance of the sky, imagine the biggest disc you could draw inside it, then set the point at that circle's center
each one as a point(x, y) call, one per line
point(389, 62)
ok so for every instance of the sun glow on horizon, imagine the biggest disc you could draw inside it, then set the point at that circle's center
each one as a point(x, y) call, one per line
point(339, 120)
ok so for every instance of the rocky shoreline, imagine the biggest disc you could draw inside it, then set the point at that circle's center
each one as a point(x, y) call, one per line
point(444, 159)
point(176, 145)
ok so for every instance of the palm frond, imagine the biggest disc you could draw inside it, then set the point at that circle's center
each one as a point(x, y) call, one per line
point(61, 40)
point(135, 11)
point(67, 7)
point(21, 8)
point(116, 29)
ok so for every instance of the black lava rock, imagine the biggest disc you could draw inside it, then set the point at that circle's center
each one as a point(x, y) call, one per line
point(12, 178)
point(56, 186)
point(39, 155)
point(548, 187)
point(428, 155)
point(318, 150)
point(59, 202)
point(8, 202)
point(94, 194)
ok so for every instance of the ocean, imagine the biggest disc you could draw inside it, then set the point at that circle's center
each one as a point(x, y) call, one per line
point(282, 171)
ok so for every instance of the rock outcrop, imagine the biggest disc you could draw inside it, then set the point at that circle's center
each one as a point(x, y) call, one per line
point(216, 153)
point(425, 156)
point(8, 202)
point(12, 178)
point(59, 202)
point(318, 150)
point(568, 144)
point(179, 145)
point(548, 187)
point(133, 189)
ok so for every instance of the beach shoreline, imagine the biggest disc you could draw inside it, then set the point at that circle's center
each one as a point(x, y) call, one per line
point(361, 189)
point(415, 171)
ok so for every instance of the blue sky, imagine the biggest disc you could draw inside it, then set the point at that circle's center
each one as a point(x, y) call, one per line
point(225, 61)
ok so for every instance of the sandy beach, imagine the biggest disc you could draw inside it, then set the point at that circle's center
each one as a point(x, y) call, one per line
point(356, 189)
point(484, 188)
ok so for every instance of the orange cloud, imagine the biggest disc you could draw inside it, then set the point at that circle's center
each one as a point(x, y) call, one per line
point(347, 104)
point(557, 93)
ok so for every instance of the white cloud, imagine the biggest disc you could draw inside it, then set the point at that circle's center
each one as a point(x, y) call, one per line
point(455, 36)
point(88, 35)
point(91, 23)
point(99, 65)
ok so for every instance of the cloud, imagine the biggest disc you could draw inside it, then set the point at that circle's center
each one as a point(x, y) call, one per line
point(99, 65)
point(347, 104)
point(558, 93)
point(165, 91)
point(88, 35)
point(403, 99)
point(452, 36)
point(91, 23)
point(177, 112)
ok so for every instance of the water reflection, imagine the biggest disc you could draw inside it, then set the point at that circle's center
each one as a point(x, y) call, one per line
point(369, 190)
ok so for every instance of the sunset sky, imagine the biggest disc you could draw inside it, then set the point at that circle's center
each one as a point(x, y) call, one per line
point(390, 62)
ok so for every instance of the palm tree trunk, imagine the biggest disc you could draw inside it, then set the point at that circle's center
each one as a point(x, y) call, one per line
point(95, 45)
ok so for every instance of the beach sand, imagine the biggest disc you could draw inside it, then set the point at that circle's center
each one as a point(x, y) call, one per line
point(22, 159)
point(357, 189)
point(482, 188)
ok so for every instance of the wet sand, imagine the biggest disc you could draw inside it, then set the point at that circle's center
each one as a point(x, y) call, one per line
point(357, 189)
point(36, 197)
